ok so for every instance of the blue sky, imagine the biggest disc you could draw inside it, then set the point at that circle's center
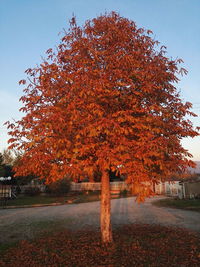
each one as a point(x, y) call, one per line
point(29, 27)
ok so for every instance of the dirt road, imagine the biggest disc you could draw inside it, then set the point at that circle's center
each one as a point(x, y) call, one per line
point(22, 223)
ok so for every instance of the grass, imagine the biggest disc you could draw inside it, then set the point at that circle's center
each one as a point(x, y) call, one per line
point(75, 198)
point(134, 245)
point(186, 204)
point(7, 246)
point(34, 200)
point(48, 199)
point(30, 231)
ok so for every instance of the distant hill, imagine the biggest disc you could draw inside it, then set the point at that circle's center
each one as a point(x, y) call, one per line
point(197, 169)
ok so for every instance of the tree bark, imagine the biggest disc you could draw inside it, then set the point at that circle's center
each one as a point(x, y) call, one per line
point(105, 218)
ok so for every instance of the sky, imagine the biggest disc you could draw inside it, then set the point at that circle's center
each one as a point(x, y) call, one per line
point(29, 27)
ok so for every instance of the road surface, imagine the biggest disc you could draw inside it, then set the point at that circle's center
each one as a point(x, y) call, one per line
point(22, 223)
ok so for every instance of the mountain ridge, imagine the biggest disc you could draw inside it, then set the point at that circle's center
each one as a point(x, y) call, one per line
point(196, 169)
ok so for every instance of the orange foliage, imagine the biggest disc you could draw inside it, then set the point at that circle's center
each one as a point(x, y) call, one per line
point(135, 245)
point(105, 100)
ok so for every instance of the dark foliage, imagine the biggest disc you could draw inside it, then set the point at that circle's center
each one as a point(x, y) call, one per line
point(32, 191)
point(58, 188)
point(124, 192)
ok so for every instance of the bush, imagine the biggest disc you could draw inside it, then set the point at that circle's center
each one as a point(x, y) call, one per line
point(58, 188)
point(124, 192)
point(90, 192)
point(16, 190)
point(32, 191)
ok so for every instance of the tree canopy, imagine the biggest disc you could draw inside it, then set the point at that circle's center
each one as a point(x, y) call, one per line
point(105, 99)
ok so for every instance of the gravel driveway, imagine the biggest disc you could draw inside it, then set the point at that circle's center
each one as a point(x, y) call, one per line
point(22, 223)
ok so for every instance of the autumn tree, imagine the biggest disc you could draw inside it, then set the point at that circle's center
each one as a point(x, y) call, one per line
point(105, 100)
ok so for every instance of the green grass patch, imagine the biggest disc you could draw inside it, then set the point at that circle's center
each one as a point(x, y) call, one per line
point(71, 198)
point(6, 246)
point(49, 199)
point(34, 200)
point(13, 233)
point(187, 204)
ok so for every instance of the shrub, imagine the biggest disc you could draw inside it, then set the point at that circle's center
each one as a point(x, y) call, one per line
point(124, 192)
point(32, 191)
point(90, 192)
point(16, 190)
point(59, 188)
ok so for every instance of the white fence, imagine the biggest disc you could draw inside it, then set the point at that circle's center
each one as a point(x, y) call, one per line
point(171, 189)
point(97, 186)
point(24, 187)
point(166, 188)
point(5, 191)
point(174, 189)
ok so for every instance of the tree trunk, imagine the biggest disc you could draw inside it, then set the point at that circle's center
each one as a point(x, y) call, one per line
point(106, 231)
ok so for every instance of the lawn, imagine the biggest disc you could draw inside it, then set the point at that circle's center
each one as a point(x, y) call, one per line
point(134, 245)
point(187, 204)
point(48, 199)
point(34, 200)
point(75, 198)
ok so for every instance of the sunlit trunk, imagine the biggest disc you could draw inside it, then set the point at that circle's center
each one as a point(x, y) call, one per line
point(106, 231)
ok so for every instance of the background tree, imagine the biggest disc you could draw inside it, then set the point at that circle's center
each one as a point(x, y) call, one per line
point(18, 160)
point(8, 157)
point(6, 166)
point(104, 101)
point(2, 169)
point(6, 162)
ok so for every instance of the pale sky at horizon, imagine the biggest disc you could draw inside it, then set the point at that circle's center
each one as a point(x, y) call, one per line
point(29, 27)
